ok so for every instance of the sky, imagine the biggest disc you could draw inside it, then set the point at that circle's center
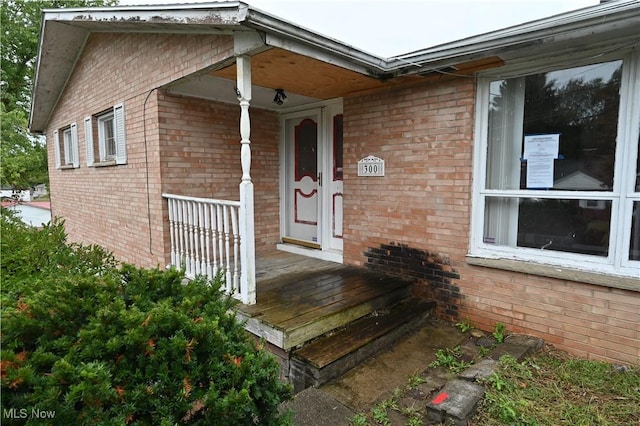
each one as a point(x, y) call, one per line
point(389, 28)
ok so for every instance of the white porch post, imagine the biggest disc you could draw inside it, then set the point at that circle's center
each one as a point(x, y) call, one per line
point(247, 231)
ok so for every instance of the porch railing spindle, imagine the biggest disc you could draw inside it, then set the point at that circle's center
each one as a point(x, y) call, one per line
point(202, 266)
point(191, 269)
point(196, 239)
point(227, 238)
point(183, 254)
point(214, 239)
point(172, 227)
point(220, 238)
point(236, 250)
point(207, 238)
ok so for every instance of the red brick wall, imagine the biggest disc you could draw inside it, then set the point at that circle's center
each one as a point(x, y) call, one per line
point(108, 206)
point(424, 134)
point(422, 208)
point(200, 157)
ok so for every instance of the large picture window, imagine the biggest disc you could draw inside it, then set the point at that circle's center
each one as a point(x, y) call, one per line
point(557, 180)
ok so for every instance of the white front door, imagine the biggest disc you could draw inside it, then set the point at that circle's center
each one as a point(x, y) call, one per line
point(312, 187)
point(302, 181)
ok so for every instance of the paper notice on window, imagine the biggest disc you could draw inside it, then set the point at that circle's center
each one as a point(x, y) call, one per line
point(540, 151)
point(541, 145)
point(540, 171)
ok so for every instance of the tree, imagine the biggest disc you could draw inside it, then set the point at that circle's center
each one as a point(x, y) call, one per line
point(23, 156)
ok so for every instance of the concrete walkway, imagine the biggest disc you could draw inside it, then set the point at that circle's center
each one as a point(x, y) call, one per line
point(438, 395)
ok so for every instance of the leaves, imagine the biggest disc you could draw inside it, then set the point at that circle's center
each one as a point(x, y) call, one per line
point(24, 157)
point(96, 342)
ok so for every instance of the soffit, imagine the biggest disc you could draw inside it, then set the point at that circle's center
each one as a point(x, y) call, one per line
point(278, 68)
point(281, 69)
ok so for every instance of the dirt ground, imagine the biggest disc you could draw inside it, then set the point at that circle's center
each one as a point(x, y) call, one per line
point(375, 380)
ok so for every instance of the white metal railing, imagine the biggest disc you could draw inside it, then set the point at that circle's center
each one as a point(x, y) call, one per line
point(205, 238)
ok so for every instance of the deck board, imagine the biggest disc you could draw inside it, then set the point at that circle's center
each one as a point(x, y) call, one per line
point(299, 298)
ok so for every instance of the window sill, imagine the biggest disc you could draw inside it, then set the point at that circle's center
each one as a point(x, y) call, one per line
point(105, 163)
point(597, 278)
point(67, 167)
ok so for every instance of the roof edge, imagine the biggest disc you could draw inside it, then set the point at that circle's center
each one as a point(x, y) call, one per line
point(260, 20)
point(527, 32)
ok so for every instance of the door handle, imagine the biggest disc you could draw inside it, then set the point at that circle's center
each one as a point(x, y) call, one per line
point(320, 179)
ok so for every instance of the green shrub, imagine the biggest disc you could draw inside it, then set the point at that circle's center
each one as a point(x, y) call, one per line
point(97, 344)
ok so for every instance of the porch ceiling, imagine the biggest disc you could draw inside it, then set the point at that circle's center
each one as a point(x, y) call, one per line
point(280, 69)
point(304, 79)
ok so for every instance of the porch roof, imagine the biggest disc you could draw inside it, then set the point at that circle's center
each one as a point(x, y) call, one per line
point(344, 68)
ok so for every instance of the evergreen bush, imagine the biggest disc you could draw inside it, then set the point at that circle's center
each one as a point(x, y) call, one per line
point(93, 343)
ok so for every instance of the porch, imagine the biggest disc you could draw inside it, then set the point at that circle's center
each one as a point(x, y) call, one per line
point(295, 298)
point(300, 298)
point(320, 318)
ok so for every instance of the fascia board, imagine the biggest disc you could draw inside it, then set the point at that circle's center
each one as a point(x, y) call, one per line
point(135, 19)
point(78, 23)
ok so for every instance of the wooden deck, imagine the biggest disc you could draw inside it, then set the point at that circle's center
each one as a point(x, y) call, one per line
point(300, 298)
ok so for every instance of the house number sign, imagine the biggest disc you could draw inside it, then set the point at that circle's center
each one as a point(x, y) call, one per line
point(371, 166)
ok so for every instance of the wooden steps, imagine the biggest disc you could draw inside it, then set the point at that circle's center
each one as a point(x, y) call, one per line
point(332, 355)
point(296, 308)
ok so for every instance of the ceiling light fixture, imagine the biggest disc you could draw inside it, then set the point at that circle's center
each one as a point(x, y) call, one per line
point(280, 97)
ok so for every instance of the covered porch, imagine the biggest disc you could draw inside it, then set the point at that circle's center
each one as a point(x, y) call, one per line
point(296, 298)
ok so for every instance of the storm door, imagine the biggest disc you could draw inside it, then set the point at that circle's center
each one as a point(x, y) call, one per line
point(312, 187)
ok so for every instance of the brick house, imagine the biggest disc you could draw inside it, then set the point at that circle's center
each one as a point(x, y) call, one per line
point(500, 172)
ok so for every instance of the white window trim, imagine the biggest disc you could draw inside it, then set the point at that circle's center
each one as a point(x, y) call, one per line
point(67, 143)
point(120, 157)
point(617, 262)
point(102, 142)
point(71, 159)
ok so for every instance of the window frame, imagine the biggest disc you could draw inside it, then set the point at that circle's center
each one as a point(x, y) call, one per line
point(102, 119)
point(622, 196)
point(94, 129)
point(66, 149)
point(67, 146)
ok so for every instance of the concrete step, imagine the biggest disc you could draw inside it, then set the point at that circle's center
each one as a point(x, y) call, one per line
point(334, 354)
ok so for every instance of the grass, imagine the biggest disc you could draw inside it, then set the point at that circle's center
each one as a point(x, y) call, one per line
point(450, 359)
point(552, 388)
point(548, 388)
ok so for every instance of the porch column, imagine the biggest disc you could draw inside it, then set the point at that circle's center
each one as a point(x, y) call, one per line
point(247, 231)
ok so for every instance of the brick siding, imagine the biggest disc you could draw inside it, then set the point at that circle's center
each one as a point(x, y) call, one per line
point(108, 205)
point(200, 157)
point(421, 209)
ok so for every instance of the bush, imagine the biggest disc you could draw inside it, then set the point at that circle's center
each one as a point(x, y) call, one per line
point(97, 344)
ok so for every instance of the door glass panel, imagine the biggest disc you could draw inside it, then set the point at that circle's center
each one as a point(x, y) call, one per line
point(337, 147)
point(306, 141)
